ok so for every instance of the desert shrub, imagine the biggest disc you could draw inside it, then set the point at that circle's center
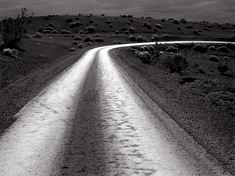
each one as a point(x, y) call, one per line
point(196, 32)
point(91, 21)
point(172, 49)
point(75, 24)
point(129, 23)
point(183, 21)
point(213, 58)
point(132, 30)
point(126, 32)
point(234, 31)
point(40, 30)
point(230, 46)
point(123, 29)
point(75, 43)
point(89, 43)
point(189, 26)
point(49, 28)
point(202, 48)
point(7, 52)
point(108, 22)
point(81, 32)
point(65, 32)
point(54, 32)
point(47, 32)
point(102, 15)
point(163, 20)
point(144, 56)
point(110, 26)
point(140, 38)
point(37, 35)
point(212, 48)
point(69, 20)
point(80, 45)
point(175, 21)
point(154, 37)
point(166, 36)
point(178, 28)
point(117, 32)
point(222, 67)
point(99, 39)
point(88, 39)
point(158, 26)
point(77, 38)
point(90, 29)
point(223, 49)
point(175, 63)
point(13, 30)
point(132, 38)
point(147, 25)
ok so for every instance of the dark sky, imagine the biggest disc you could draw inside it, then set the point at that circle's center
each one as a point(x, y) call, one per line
point(208, 10)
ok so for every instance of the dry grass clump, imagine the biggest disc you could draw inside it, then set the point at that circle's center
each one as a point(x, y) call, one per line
point(158, 26)
point(37, 35)
point(88, 39)
point(172, 49)
point(223, 49)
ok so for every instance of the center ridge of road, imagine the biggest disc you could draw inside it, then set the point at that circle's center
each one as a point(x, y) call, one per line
point(94, 120)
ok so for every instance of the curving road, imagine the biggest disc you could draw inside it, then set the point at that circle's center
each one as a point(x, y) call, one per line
point(94, 120)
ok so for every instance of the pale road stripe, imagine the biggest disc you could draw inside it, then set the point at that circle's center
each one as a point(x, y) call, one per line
point(33, 144)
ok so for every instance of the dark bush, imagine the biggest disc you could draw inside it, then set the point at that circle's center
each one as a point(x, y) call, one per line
point(13, 30)
point(81, 32)
point(77, 38)
point(99, 39)
point(37, 35)
point(230, 46)
point(80, 45)
point(47, 32)
point(48, 28)
point(172, 49)
point(126, 32)
point(90, 29)
point(75, 43)
point(117, 32)
point(132, 38)
point(158, 26)
point(183, 21)
point(163, 20)
point(108, 22)
point(75, 24)
point(65, 32)
point(132, 30)
point(223, 49)
point(176, 22)
point(212, 48)
point(222, 67)
point(54, 32)
point(189, 26)
point(154, 37)
point(147, 25)
point(88, 39)
point(213, 58)
point(166, 36)
point(178, 28)
point(196, 32)
point(140, 38)
point(202, 48)
point(176, 63)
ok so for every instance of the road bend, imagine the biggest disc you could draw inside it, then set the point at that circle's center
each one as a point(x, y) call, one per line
point(94, 120)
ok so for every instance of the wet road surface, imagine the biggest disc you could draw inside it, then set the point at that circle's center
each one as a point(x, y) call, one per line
point(94, 120)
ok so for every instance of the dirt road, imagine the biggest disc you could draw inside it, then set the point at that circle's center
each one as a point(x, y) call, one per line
point(94, 120)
